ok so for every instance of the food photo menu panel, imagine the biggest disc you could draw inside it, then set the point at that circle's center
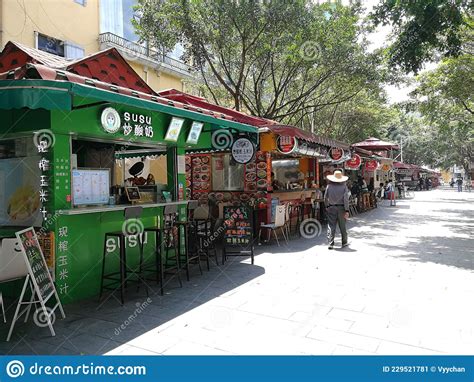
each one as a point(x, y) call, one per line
point(90, 187)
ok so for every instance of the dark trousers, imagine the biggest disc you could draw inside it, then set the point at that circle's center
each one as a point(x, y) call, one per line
point(335, 215)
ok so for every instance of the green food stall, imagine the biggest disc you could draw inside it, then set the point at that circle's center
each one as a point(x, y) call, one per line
point(70, 152)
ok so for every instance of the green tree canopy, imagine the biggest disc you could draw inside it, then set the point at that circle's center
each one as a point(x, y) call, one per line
point(422, 29)
point(282, 60)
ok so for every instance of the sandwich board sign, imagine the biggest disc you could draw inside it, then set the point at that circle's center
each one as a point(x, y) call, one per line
point(39, 281)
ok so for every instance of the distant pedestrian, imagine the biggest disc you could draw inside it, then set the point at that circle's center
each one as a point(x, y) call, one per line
point(390, 192)
point(459, 183)
point(336, 200)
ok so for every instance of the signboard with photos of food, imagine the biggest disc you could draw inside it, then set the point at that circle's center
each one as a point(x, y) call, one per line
point(19, 192)
point(238, 234)
point(194, 133)
point(172, 134)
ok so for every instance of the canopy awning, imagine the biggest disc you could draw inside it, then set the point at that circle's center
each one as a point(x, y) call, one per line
point(375, 144)
point(189, 99)
point(67, 95)
point(291, 131)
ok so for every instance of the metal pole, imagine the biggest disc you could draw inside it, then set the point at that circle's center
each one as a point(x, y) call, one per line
point(401, 149)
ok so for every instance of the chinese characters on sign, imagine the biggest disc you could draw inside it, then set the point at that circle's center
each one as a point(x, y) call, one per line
point(44, 166)
point(137, 125)
point(243, 150)
point(62, 263)
point(286, 144)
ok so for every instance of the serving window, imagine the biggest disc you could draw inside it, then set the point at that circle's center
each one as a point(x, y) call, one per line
point(227, 175)
point(116, 167)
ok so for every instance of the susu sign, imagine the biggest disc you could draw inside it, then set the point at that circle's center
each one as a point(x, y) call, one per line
point(138, 125)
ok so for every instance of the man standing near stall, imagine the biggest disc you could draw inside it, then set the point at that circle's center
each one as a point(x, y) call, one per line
point(336, 200)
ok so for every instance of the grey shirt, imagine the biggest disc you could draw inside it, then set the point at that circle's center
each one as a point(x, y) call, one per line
point(337, 194)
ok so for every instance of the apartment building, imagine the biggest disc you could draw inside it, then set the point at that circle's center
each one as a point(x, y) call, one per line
point(76, 28)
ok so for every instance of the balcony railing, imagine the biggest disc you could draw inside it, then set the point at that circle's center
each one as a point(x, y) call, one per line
point(133, 51)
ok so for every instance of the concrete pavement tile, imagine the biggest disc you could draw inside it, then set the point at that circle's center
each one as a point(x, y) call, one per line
point(392, 348)
point(156, 343)
point(130, 350)
point(345, 350)
point(344, 338)
point(191, 348)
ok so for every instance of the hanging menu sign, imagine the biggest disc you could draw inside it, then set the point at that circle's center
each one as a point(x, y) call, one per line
point(36, 263)
point(238, 232)
point(336, 153)
point(243, 150)
point(354, 162)
point(286, 144)
point(371, 165)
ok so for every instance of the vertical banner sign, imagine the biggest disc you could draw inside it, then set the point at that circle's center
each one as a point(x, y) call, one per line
point(238, 232)
point(39, 280)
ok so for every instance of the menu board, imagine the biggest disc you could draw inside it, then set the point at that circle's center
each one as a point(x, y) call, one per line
point(238, 232)
point(198, 176)
point(36, 263)
point(90, 186)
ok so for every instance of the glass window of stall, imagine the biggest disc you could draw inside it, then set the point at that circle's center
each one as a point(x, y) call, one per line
point(227, 175)
point(20, 177)
point(104, 172)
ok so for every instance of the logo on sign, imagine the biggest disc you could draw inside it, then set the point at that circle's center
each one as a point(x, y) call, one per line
point(354, 162)
point(110, 120)
point(243, 150)
point(336, 153)
point(386, 167)
point(286, 144)
point(371, 165)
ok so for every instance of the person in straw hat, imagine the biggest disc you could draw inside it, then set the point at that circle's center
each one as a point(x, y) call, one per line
point(336, 200)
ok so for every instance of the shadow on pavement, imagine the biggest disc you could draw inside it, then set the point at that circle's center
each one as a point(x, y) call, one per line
point(93, 329)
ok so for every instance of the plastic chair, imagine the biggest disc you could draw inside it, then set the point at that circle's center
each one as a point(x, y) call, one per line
point(272, 227)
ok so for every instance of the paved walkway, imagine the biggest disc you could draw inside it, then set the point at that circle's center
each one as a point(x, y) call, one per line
point(405, 286)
